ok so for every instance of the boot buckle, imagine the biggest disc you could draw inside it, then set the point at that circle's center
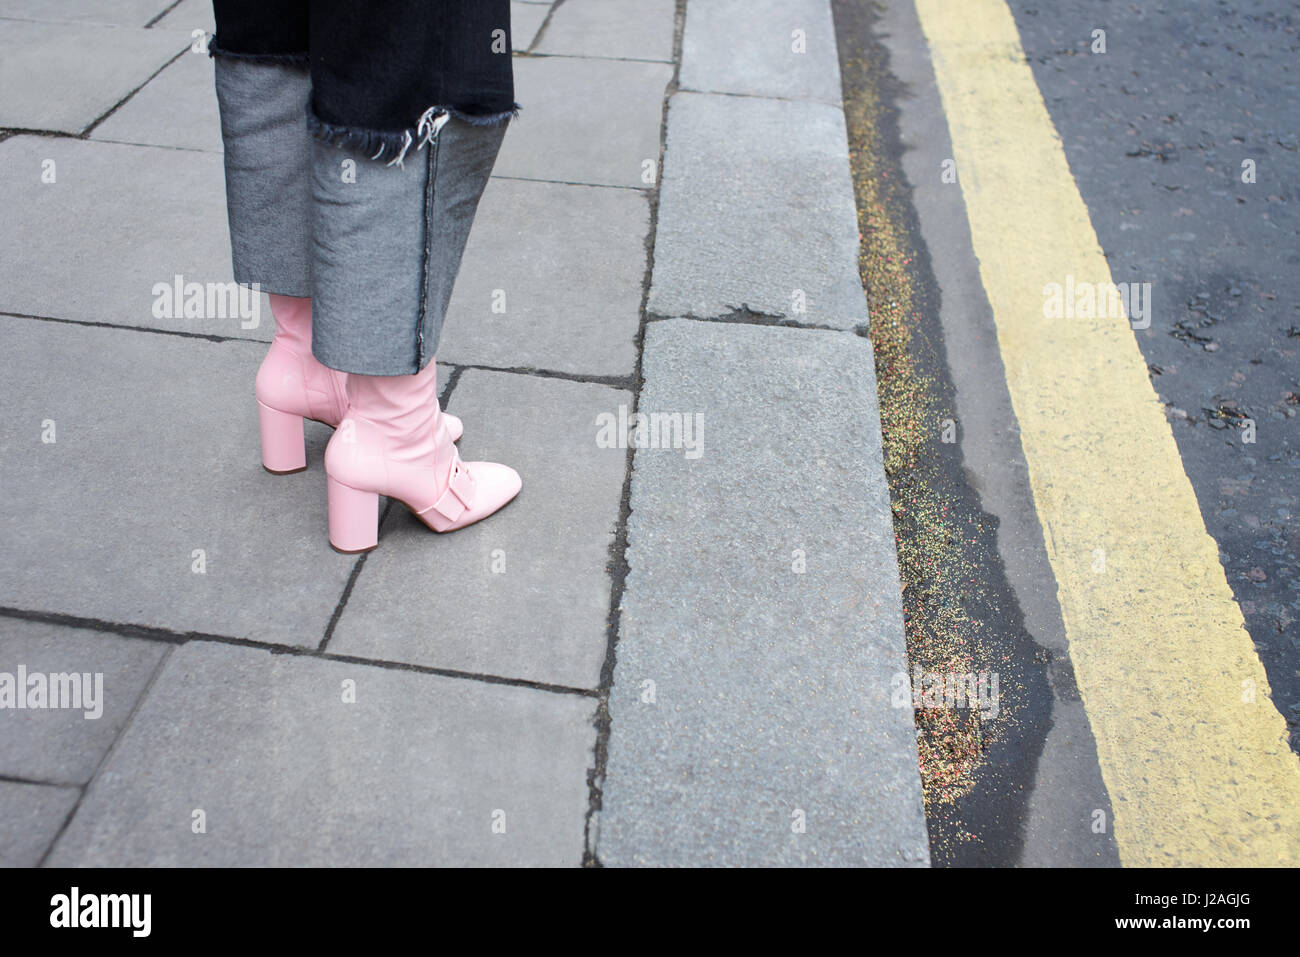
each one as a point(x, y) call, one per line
point(459, 496)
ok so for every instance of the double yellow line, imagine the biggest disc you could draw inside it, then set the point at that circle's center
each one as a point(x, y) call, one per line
point(1192, 750)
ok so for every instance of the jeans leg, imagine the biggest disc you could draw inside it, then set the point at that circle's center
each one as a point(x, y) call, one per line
point(267, 31)
point(387, 245)
point(378, 68)
point(410, 101)
point(263, 90)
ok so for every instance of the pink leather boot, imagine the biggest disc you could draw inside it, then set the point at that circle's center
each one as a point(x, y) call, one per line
point(395, 441)
point(292, 385)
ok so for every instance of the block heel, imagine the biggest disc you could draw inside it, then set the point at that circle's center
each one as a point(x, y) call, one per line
point(354, 518)
point(283, 448)
point(397, 442)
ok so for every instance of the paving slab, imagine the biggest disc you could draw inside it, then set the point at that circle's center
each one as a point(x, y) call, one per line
point(65, 745)
point(618, 125)
point(286, 772)
point(525, 20)
point(155, 457)
point(552, 279)
point(30, 818)
point(619, 29)
point(177, 108)
point(49, 82)
point(769, 698)
point(169, 222)
point(524, 594)
point(189, 15)
point(786, 49)
point(757, 210)
point(125, 13)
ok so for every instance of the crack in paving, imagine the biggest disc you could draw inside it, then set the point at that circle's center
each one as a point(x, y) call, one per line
point(617, 565)
point(746, 316)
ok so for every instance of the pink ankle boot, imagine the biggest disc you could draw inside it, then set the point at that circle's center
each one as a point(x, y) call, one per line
point(292, 385)
point(395, 441)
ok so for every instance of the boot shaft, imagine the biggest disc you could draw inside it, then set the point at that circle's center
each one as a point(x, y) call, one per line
point(401, 412)
point(292, 323)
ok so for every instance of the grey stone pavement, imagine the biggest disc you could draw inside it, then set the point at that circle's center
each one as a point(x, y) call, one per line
point(675, 648)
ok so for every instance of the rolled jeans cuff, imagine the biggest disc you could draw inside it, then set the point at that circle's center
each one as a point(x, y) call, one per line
point(387, 242)
point(267, 148)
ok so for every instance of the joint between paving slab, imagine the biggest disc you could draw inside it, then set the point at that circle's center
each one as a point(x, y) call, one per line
point(11, 131)
point(85, 134)
point(208, 336)
point(453, 380)
point(108, 752)
point(587, 56)
point(627, 382)
point(530, 51)
point(170, 7)
point(156, 146)
point(480, 677)
point(570, 182)
point(342, 603)
point(613, 381)
point(618, 566)
point(125, 629)
point(171, 637)
point(108, 26)
point(19, 779)
point(541, 31)
point(836, 104)
point(747, 316)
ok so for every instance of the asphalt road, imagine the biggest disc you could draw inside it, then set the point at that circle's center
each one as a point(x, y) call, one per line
point(1156, 130)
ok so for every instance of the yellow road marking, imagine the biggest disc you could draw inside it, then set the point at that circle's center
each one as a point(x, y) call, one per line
point(1198, 772)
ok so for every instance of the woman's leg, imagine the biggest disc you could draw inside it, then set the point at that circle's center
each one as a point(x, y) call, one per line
point(263, 86)
point(410, 101)
point(409, 108)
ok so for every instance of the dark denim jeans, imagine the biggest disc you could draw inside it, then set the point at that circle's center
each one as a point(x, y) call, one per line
point(377, 66)
point(358, 140)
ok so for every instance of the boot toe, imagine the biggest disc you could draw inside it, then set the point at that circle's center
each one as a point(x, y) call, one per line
point(496, 484)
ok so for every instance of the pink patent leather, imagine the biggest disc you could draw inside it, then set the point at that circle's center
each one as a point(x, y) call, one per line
point(292, 385)
point(395, 441)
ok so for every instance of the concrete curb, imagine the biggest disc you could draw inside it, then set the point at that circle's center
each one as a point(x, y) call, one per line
point(761, 623)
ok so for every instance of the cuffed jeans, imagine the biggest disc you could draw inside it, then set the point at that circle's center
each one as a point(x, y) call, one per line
point(358, 140)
